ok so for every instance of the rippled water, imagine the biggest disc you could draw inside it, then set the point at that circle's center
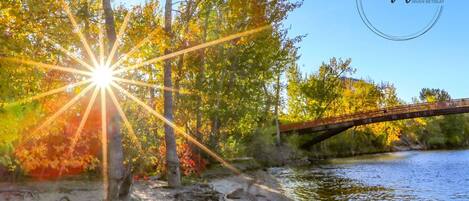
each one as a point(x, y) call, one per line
point(432, 175)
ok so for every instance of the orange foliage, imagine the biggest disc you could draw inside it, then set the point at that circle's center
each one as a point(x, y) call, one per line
point(44, 157)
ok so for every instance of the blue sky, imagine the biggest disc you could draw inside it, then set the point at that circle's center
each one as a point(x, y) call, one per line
point(437, 59)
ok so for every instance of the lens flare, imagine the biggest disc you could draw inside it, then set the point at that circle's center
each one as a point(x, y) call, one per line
point(102, 76)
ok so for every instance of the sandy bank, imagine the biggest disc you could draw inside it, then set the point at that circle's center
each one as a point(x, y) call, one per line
point(265, 187)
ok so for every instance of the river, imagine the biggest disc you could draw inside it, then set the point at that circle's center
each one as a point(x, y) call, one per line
point(414, 175)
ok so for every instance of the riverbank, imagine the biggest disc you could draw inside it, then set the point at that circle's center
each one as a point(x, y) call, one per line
point(326, 156)
point(255, 185)
point(216, 184)
point(261, 186)
point(395, 149)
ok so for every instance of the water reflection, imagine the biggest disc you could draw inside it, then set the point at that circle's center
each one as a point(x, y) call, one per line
point(321, 183)
point(438, 175)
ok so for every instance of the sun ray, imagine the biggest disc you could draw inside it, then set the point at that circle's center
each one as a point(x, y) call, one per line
point(191, 49)
point(84, 119)
point(61, 111)
point(104, 142)
point(118, 38)
point(178, 130)
point(124, 118)
point(80, 128)
point(134, 49)
point(143, 84)
point(79, 33)
point(68, 53)
point(45, 66)
point(53, 91)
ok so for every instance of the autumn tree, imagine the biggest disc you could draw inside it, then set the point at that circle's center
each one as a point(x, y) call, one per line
point(119, 180)
point(314, 96)
point(172, 160)
point(434, 95)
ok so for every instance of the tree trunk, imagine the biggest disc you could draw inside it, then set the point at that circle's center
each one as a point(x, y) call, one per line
point(277, 104)
point(119, 180)
point(215, 132)
point(172, 160)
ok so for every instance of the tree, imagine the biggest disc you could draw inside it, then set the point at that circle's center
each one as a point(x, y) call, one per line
point(389, 98)
point(296, 99)
point(172, 160)
point(434, 95)
point(316, 94)
point(276, 110)
point(118, 182)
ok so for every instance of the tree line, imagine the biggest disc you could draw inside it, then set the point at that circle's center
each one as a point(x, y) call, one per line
point(332, 91)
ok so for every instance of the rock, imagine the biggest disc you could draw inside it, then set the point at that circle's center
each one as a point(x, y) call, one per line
point(134, 197)
point(240, 194)
point(198, 192)
point(154, 178)
point(400, 148)
point(263, 187)
point(64, 198)
point(18, 194)
point(236, 194)
point(261, 196)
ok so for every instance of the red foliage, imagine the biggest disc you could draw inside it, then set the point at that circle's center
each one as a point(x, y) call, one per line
point(141, 177)
point(191, 163)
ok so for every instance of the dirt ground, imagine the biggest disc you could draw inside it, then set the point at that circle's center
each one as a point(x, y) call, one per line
point(226, 188)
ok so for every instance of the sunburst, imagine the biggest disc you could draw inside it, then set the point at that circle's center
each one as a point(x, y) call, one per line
point(103, 78)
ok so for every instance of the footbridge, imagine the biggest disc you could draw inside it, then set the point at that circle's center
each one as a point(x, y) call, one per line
point(329, 127)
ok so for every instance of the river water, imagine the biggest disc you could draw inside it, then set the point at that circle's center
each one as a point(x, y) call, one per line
point(414, 175)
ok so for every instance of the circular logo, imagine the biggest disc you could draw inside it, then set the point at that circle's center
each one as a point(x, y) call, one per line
point(428, 12)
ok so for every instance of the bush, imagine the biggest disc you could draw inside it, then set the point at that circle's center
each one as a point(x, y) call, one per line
point(436, 142)
point(261, 145)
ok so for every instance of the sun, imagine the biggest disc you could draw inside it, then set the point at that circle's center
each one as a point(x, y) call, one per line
point(102, 76)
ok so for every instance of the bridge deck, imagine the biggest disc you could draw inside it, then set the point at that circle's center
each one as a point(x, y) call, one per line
point(456, 106)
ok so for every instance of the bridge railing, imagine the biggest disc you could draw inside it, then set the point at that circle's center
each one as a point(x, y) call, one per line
point(418, 107)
